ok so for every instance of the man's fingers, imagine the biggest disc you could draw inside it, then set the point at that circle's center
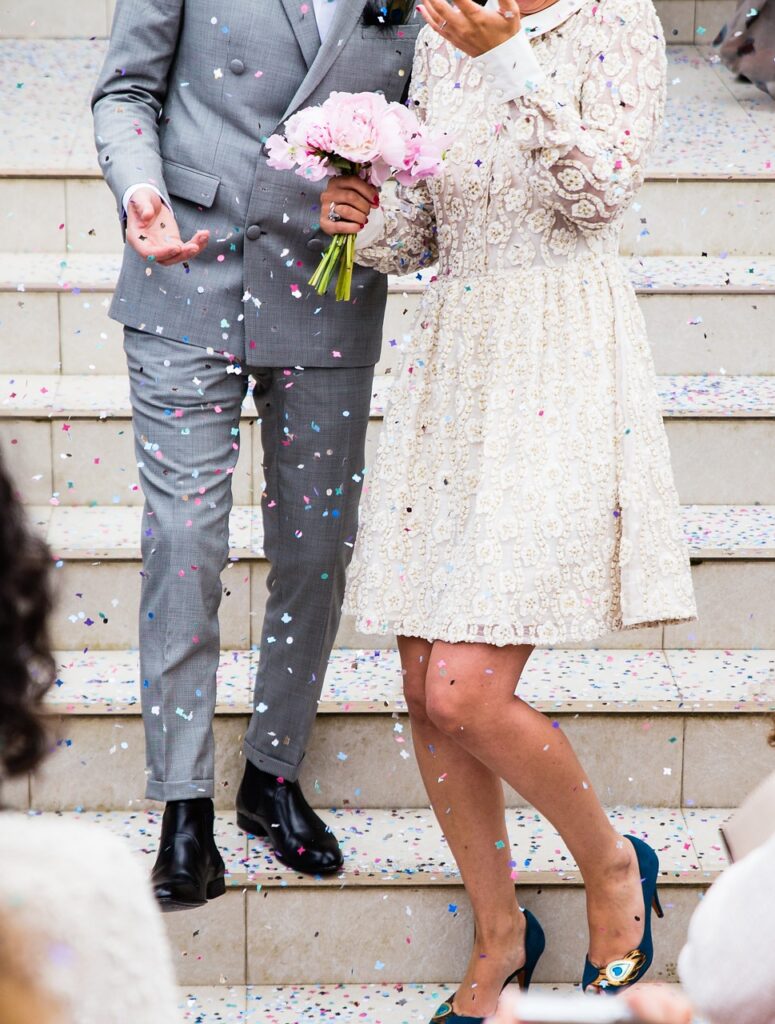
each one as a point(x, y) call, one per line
point(199, 239)
point(154, 251)
point(169, 249)
point(189, 249)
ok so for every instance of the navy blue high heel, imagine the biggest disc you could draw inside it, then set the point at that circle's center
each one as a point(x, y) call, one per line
point(535, 943)
point(621, 973)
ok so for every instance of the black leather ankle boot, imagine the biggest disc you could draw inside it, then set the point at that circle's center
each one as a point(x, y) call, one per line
point(278, 810)
point(189, 870)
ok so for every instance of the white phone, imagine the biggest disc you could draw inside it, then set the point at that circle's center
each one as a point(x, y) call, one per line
point(554, 1008)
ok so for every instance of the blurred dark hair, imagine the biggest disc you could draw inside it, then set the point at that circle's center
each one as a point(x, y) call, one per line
point(772, 734)
point(27, 668)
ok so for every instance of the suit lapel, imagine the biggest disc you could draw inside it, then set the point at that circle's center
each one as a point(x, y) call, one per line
point(347, 15)
point(305, 28)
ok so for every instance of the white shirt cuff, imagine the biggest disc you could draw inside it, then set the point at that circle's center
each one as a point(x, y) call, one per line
point(511, 70)
point(131, 191)
point(372, 231)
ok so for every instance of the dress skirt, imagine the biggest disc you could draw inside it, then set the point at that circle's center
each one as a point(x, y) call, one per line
point(522, 492)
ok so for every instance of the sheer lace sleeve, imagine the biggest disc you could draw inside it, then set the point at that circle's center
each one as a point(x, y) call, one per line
point(408, 239)
point(588, 163)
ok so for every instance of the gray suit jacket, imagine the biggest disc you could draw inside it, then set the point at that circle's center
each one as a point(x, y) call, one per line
point(189, 93)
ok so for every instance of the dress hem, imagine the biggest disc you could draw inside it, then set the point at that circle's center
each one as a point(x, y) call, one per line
point(499, 636)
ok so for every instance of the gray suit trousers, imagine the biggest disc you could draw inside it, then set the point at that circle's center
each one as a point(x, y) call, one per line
point(186, 415)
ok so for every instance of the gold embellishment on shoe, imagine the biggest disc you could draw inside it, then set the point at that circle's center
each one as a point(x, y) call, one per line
point(443, 1012)
point(623, 971)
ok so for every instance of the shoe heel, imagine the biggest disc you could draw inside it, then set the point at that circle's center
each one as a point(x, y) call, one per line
point(216, 888)
point(657, 905)
point(251, 827)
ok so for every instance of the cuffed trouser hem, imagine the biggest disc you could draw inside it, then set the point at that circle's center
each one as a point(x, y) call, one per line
point(272, 765)
point(165, 791)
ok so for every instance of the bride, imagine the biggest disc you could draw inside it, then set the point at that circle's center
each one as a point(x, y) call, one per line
point(522, 493)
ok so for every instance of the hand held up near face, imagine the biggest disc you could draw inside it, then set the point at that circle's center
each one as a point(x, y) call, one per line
point(153, 232)
point(470, 27)
point(350, 198)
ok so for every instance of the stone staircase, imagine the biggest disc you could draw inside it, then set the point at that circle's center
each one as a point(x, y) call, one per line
point(670, 722)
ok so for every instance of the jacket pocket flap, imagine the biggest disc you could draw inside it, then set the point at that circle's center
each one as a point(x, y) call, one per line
point(189, 183)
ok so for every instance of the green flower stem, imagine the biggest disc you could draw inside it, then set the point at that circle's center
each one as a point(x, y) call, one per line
point(340, 253)
point(346, 264)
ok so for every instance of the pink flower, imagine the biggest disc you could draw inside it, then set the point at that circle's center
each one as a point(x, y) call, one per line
point(426, 160)
point(353, 122)
point(282, 156)
point(379, 172)
point(361, 128)
point(398, 130)
point(308, 130)
point(313, 168)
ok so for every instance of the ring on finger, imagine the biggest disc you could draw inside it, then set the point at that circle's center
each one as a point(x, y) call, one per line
point(332, 214)
point(443, 25)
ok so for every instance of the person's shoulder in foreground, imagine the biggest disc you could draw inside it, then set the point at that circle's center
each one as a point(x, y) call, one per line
point(79, 903)
point(727, 966)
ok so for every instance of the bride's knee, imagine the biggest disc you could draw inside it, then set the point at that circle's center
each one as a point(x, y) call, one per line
point(447, 706)
point(414, 695)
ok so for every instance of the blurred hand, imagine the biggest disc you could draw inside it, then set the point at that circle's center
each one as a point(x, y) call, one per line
point(658, 1004)
point(469, 27)
point(508, 1008)
point(652, 1004)
point(152, 231)
point(354, 200)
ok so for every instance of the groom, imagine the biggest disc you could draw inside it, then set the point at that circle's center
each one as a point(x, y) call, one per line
point(213, 288)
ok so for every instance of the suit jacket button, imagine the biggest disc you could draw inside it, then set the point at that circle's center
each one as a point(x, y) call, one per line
point(316, 244)
point(253, 232)
point(237, 67)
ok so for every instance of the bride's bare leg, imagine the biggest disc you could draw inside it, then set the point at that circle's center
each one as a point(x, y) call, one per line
point(467, 798)
point(469, 697)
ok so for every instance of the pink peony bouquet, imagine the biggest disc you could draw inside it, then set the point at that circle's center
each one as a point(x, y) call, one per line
point(354, 133)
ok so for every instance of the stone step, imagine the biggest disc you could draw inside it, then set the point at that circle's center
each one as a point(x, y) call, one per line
point(400, 877)
point(707, 190)
point(70, 438)
point(684, 21)
point(99, 569)
point(693, 21)
point(680, 718)
point(48, 19)
point(703, 315)
point(68, 397)
point(311, 1004)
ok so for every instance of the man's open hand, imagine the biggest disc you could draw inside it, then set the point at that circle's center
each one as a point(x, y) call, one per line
point(152, 231)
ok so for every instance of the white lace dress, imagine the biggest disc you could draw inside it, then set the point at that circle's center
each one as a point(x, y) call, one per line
point(522, 491)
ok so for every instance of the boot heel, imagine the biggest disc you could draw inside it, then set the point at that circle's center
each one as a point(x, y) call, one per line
point(216, 888)
point(251, 826)
point(657, 905)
